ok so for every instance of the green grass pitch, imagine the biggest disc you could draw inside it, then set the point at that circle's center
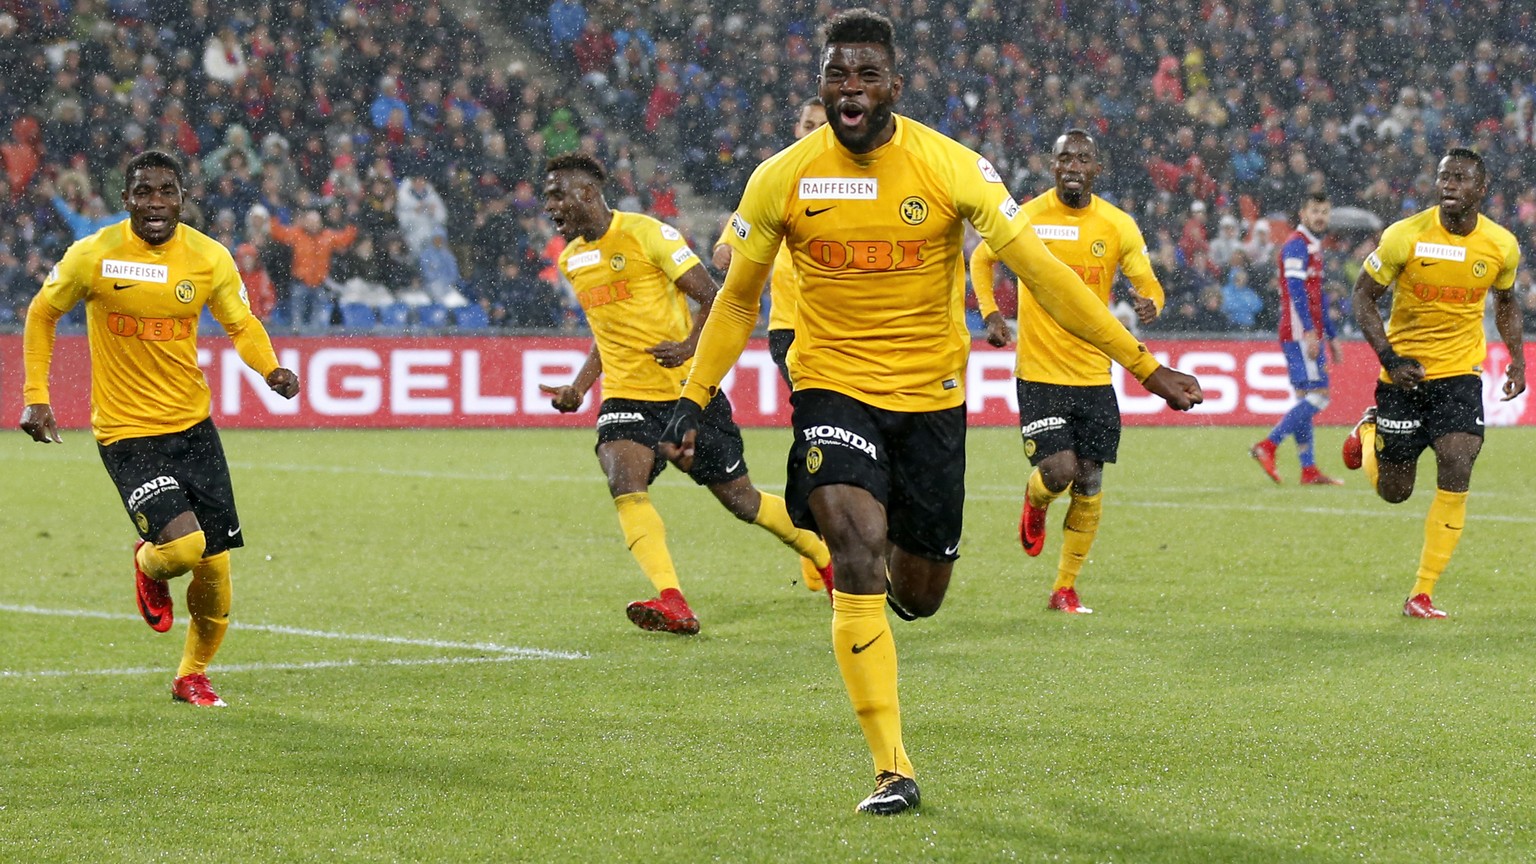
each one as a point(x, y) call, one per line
point(1246, 691)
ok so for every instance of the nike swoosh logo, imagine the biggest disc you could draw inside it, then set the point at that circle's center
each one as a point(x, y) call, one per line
point(117, 287)
point(859, 649)
point(733, 466)
point(1428, 263)
point(1479, 421)
point(235, 530)
point(952, 550)
point(149, 618)
point(810, 212)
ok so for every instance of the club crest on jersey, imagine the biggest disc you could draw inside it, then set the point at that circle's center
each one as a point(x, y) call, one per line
point(617, 261)
point(813, 460)
point(914, 210)
point(142, 522)
point(185, 291)
point(1479, 269)
point(1030, 447)
point(1097, 249)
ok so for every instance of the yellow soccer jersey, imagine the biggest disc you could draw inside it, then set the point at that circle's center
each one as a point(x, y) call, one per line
point(141, 311)
point(1094, 241)
point(1442, 286)
point(877, 242)
point(626, 282)
point(783, 287)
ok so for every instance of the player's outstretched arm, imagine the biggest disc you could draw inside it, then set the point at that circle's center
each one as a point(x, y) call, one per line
point(255, 348)
point(37, 339)
point(983, 271)
point(1509, 319)
point(1080, 312)
point(1403, 371)
point(567, 398)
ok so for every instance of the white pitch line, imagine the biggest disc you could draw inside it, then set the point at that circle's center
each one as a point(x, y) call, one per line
point(263, 667)
point(511, 651)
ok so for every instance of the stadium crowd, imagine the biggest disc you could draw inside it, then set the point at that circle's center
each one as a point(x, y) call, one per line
point(369, 165)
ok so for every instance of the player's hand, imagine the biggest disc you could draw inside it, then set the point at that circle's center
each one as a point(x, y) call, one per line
point(721, 257)
point(671, 354)
point(682, 433)
point(1146, 310)
point(1514, 381)
point(37, 421)
point(284, 382)
point(1180, 391)
point(1408, 374)
point(565, 397)
point(999, 334)
point(1335, 350)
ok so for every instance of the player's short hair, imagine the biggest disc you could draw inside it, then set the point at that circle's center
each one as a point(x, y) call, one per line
point(578, 162)
point(1318, 197)
point(1078, 132)
point(862, 25)
point(155, 159)
point(1471, 156)
point(814, 101)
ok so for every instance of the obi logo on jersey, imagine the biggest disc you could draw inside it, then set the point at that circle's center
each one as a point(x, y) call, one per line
point(602, 295)
point(1449, 293)
point(150, 329)
point(875, 255)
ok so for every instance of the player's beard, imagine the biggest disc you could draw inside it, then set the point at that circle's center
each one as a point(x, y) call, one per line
point(878, 118)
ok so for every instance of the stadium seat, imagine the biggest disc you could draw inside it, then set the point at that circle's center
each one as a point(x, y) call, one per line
point(394, 316)
point(357, 316)
point(432, 316)
point(471, 317)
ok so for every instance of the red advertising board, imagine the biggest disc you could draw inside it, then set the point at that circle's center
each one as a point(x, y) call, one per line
point(491, 381)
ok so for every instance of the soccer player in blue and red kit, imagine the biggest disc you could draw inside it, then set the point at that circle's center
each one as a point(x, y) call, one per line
point(1306, 331)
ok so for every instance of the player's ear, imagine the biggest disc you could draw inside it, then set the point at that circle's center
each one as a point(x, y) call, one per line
point(896, 84)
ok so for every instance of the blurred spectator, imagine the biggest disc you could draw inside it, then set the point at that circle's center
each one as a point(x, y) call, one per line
point(420, 211)
point(258, 285)
point(313, 244)
point(440, 272)
point(1239, 302)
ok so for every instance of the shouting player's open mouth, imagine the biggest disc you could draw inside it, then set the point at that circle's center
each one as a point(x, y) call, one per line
point(851, 115)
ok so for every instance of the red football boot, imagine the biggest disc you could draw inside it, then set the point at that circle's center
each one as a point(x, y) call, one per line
point(154, 596)
point(668, 613)
point(1264, 454)
point(195, 690)
point(1032, 528)
point(1354, 453)
point(1418, 606)
point(1065, 600)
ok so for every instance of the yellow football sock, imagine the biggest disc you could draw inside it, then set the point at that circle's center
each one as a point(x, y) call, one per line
point(646, 537)
point(168, 560)
point(866, 655)
point(1368, 452)
point(1039, 494)
point(1078, 532)
point(773, 516)
point(208, 597)
point(1442, 529)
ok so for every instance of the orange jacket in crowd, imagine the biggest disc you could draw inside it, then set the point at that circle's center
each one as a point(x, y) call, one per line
point(312, 252)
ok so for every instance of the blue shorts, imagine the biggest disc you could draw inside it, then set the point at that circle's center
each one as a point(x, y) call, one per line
point(1306, 374)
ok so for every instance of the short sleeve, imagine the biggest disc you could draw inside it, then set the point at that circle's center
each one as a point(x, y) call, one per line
point(1506, 278)
point(668, 249)
point(1391, 256)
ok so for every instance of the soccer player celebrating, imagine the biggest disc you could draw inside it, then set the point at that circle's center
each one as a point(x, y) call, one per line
point(1440, 265)
point(873, 208)
point(632, 275)
point(1306, 338)
point(1067, 410)
point(144, 283)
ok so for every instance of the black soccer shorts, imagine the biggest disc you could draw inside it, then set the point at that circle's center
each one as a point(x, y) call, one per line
point(1057, 417)
point(159, 477)
point(1407, 421)
point(719, 454)
point(913, 462)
